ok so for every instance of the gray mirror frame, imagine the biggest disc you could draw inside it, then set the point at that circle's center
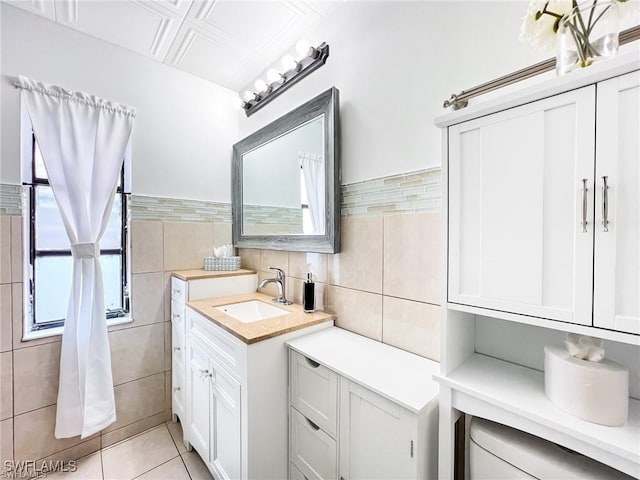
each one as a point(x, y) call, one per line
point(327, 103)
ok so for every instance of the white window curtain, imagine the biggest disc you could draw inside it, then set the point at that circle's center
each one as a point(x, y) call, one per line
point(83, 140)
point(313, 172)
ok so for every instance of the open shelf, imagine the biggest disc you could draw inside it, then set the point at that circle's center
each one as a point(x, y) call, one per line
point(513, 395)
point(615, 336)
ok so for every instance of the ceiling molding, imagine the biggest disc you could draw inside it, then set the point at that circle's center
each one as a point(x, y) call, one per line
point(227, 42)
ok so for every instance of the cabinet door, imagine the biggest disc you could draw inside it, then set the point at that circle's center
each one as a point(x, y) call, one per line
point(377, 437)
point(227, 450)
point(520, 182)
point(617, 246)
point(198, 405)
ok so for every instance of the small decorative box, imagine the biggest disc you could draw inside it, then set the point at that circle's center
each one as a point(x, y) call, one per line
point(221, 263)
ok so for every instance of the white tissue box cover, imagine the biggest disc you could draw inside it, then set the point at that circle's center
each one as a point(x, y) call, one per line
point(594, 391)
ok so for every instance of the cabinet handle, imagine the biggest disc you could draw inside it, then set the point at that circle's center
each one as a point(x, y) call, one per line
point(584, 205)
point(176, 316)
point(204, 373)
point(176, 290)
point(176, 349)
point(176, 389)
point(311, 363)
point(605, 204)
point(312, 425)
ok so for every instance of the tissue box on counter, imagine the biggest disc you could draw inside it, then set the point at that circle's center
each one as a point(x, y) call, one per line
point(221, 263)
point(594, 391)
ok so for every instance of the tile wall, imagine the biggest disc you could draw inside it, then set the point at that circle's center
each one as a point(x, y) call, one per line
point(384, 284)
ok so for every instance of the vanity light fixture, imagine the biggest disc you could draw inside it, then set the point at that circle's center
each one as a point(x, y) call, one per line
point(312, 59)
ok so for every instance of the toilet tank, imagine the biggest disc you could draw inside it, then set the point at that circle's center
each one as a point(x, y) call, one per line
point(497, 452)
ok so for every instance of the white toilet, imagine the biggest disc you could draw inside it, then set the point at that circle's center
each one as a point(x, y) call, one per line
point(497, 452)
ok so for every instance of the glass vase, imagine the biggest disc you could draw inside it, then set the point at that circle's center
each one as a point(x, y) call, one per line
point(587, 34)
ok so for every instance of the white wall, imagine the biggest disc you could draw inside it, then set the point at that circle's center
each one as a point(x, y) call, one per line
point(184, 128)
point(394, 63)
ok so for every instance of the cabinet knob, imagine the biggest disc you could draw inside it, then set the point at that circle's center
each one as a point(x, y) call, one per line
point(175, 316)
point(176, 389)
point(176, 349)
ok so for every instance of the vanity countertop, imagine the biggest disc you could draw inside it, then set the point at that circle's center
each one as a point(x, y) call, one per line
point(261, 330)
point(198, 273)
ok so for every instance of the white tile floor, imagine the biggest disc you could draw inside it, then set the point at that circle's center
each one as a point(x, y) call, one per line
point(156, 454)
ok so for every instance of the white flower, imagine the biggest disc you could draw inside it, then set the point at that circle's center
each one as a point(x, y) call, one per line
point(539, 25)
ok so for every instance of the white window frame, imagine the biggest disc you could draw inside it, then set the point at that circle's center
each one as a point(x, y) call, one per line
point(26, 156)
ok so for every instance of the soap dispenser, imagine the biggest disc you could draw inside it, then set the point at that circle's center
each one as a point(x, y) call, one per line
point(309, 295)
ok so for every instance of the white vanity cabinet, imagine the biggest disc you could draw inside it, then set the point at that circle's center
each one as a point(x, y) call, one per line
point(188, 285)
point(213, 419)
point(360, 409)
point(542, 236)
point(236, 398)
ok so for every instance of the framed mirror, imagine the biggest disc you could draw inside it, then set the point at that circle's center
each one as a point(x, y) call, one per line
point(286, 181)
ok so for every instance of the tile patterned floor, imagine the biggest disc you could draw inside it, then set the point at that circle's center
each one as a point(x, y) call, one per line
point(157, 454)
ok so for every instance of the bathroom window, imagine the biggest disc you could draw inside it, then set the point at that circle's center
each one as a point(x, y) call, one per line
point(49, 263)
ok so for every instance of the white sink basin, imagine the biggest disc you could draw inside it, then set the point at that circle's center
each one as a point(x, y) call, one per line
point(252, 311)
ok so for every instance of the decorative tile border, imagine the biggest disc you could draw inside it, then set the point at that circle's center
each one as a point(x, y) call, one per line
point(412, 192)
point(272, 215)
point(179, 210)
point(10, 199)
point(405, 193)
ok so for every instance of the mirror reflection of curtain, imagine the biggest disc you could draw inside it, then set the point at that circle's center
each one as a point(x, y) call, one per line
point(313, 176)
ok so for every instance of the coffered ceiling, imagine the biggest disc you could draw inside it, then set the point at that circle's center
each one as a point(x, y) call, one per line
point(228, 42)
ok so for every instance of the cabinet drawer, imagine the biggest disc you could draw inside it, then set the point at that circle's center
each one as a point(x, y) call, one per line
point(314, 391)
point(178, 315)
point(226, 349)
point(178, 348)
point(178, 387)
point(311, 449)
point(178, 290)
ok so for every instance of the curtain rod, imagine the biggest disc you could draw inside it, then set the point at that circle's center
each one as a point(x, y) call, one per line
point(461, 100)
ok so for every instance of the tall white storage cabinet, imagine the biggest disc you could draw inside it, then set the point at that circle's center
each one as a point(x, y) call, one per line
point(188, 285)
point(541, 211)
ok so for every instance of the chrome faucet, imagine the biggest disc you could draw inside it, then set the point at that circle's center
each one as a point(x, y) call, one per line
point(281, 281)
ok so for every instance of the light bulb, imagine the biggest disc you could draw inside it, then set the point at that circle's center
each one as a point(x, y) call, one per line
point(303, 47)
point(273, 75)
point(260, 85)
point(248, 96)
point(237, 102)
point(288, 63)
